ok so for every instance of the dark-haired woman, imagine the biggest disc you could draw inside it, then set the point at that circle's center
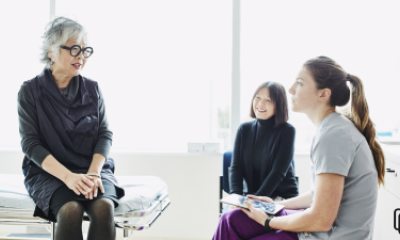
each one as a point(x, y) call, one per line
point(263, 150)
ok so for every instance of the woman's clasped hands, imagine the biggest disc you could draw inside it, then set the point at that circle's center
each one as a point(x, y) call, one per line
point(85, 184)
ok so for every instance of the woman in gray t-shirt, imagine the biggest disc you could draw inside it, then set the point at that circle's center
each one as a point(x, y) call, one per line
point(347, 165)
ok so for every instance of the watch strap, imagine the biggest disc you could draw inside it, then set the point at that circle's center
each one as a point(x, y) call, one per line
point(266, 224)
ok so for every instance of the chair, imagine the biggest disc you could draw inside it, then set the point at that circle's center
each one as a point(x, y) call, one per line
point(224, 179)
point(227, 158)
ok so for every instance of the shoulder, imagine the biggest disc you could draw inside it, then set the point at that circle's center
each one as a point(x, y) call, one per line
point(27, 87)
point(335, 144)
point(247, 125)
point(89, 82)
point(245, 128)
point(340, 131)
point(31, 82)
point(286, 128)
point(91, 86)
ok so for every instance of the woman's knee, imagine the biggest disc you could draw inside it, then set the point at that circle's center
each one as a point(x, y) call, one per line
point(70, 211)
point(101, 209)
point(233, 216)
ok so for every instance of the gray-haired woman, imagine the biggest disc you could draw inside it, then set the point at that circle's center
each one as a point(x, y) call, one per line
point(66, 140)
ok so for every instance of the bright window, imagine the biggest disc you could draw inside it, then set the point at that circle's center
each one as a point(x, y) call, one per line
point(279, 36)
point(22, 23)
point(163, 67)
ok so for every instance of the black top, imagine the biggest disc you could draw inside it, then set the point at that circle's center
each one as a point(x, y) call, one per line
point(70, 124)
point(263, 157)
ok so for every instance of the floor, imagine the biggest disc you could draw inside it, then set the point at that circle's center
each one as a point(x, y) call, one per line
point(13, 232)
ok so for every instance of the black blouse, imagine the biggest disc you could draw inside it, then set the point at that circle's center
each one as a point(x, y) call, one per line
point(263, 157)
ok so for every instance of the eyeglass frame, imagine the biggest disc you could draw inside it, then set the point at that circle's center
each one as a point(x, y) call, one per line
point(81, 50)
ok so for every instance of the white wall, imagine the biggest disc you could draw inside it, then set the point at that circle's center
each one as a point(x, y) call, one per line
point(193, 182)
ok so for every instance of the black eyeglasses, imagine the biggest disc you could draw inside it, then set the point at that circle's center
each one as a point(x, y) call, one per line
point(75, 50)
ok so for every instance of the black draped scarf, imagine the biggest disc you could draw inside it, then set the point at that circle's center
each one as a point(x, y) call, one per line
point(69, 123)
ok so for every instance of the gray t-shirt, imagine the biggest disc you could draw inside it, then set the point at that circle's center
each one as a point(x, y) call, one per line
point(339, 148)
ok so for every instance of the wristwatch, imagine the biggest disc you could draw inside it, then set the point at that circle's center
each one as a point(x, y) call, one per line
point(266, 223)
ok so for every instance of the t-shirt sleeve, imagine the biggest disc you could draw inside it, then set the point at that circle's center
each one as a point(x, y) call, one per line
point(334, 153)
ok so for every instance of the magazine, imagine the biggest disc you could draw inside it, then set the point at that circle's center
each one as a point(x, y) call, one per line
point(239, 201)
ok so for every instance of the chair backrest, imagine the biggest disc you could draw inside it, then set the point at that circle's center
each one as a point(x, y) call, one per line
point(227, 158)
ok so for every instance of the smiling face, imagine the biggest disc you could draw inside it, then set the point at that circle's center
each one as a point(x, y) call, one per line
point(65, 64)
point(263, 106)
point(305, 95)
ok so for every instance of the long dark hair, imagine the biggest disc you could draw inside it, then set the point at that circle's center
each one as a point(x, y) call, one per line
point(278, 97)
point(328, 74)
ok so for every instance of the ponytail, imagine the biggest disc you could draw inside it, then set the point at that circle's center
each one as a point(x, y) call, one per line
point(360, 117)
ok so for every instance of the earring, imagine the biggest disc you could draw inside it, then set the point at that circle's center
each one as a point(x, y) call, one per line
point(51, 62)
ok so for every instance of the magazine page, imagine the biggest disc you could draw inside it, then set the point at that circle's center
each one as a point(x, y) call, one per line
point(240, 200)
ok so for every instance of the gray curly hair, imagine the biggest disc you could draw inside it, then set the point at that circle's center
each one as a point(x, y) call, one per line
point(57, 33)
